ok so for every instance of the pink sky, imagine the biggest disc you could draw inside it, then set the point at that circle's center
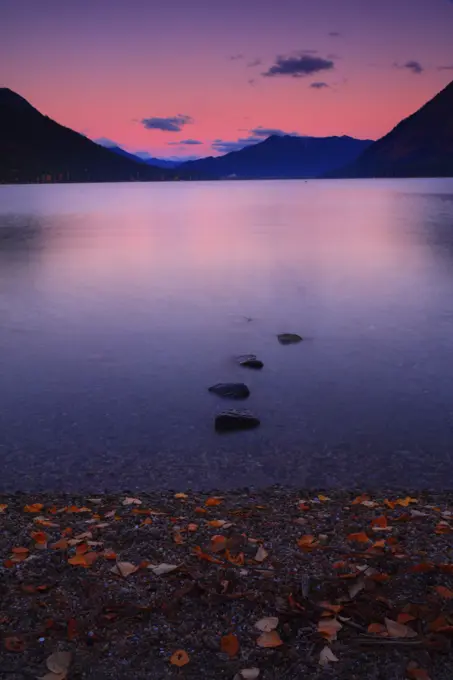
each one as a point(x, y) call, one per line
point(103, 66)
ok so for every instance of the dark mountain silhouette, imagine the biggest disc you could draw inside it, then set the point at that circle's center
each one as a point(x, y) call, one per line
point(155, 162)
point(282, 157)
point(419, 146)
point(34, 148)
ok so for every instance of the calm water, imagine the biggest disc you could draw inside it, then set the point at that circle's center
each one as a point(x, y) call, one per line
point(120, 304)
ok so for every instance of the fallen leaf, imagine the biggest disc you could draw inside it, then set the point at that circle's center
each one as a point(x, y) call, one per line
point(415, 672)
point(399, 630)
point(267, 624)
point(218, 543)
point(360, 499)
point(307, 541)
point(379, 522)
point(20, 551)
point(261, 554)
point(302, 505)
point(329, 628)
point(200, 511)
point(322, 498)
point(405, 618)
point(216, 523)
point(62, 544)
point(229, 644)
point(192, 527)
point(14, 644)
point(161, 569)
point(444, 592)
point(124, 569)
point(237, 559)
point(34, 507)
point(179, 658)
point(177, 538)
point(181, 495)
point(132, 501)
point(109, 555)
point(360, 537)
point(335, 608)
point(326, 656)
point(422, 568)
point(205, 556)
point(59, 663)
point(214, 500)
point(356, 587)
point(72, 629)
point(3, 507)
point(443, 528)
point(247, 674)
point(81, 549)
point(377, 628)
point(270, 639)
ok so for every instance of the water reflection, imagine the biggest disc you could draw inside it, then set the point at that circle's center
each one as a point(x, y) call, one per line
point(120, 304)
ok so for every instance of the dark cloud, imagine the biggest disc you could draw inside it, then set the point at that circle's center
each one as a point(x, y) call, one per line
point(185, 142)
point(227, 146)
point(169, 124)
point(319, 86)
point(104, 141)
point(299, 66)
point(411, 65)
point(261, 131)
point(254, 62)
point(334, 34)
point(235, 57)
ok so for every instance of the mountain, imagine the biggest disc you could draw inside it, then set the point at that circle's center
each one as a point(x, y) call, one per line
point(147, 160)
point(282, 157)
point(34, 148)
point(419, 146)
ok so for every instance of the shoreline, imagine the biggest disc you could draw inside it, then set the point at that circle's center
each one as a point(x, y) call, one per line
point(124, 581)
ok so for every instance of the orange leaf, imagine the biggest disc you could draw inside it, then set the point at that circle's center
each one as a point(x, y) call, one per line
point(235, 559)
point(34, 507)
point(444, 592)
point(14, 644)
point(8, 564)
point(360, 499)
point(81, 549)
point(379, 522)
point(422, 568)
point(307, 541)
point(179, 658)
point(379, 578)
point(446, 568)
point(200, 511)
point(214, 500)
point(204, 556)
point(20, 551)
point(78, 560)
point(405, 618)
point(443, 528)
point(229, 644)
point(218, 543)
point(216, 523)
point(377, 628)
point(271, 639)
point(3, 507)
point(109, 555)
point(177, 538)
point(415, 672)
point(329, 628)
point(303, 506)
point(192, 527)
point(360, 537)
point(90, 558)
point(62, 544)
point(39, 536)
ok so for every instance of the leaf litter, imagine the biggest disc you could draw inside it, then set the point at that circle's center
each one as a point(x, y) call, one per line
point(240, 582)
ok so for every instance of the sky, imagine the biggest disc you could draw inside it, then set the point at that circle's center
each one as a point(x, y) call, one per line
point(184, 78)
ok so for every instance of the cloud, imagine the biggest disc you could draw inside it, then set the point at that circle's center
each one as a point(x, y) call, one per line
point(263, 132)
point(169, 124)
point(254, 62)
point(227, 146)
point(319, 86)
point(104, 141)
point(335, 34)
point(185, 142)
point(251, 81)
point(299, 66)
point(235, 57)
point(411, 65)
point(445, 68)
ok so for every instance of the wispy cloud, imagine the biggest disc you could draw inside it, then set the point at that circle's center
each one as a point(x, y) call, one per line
point(254, 62)
point(303, 64)
point(446, 68)
point(264, 132)
point(168, 124)
point(411, 65)
point(334, 34)
point(236, 57)
point(185, 142)
point(226, 146)
point(319, 85)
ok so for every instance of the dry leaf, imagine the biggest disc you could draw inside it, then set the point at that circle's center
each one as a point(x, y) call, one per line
point(326, 656)
point(59, 663)
point(261, 554)
point(271, 639)
point(163, 568)
point(179, 658)
point(444, 592)
point(34, 507)
point(377, 628)
point(329, 628)
point(399, 630)
point(216, 523)
point(247, 674)
point(20, 551)
point(124, 569)
point(229, 644)
point(62, 544)
point(131, 501)
point(356, 587)
point(267, 624)
point(192, 527)
point(214, 500)
point(379, 523)
point(3, 507)
point(181, 495)
point(52, 676)
point(322, 498)
point(360, 537)
point(14, 644)
point(405, 618)
point(414, 672)
point(307, 541)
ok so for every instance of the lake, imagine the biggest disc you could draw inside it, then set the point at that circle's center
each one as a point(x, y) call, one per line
point(120, 304)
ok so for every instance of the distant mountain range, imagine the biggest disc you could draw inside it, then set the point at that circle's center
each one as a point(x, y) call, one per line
point(282, 157)
point(419, 146)
point(34, 148)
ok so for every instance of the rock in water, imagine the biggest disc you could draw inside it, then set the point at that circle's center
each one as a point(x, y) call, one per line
point(250, 361)
point(235, 420)
point(231, 390)
point(289, 338)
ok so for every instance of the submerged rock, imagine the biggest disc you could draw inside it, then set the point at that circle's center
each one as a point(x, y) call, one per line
point(250, 361)
point(231, 390)
point(289, 338)
point(235, 420)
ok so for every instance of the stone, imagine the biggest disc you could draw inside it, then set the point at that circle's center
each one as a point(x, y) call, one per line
point(235, 420)
point(231, 390)
point(250, 361)
point(289, 338)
